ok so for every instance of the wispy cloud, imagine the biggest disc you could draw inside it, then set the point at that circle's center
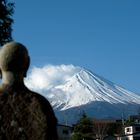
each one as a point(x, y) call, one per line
point(44, 78)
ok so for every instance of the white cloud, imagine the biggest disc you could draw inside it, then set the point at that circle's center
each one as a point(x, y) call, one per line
point(44, 78)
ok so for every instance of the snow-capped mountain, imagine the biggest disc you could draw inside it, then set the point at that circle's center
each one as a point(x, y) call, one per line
point(85, 87)
point(88, 92)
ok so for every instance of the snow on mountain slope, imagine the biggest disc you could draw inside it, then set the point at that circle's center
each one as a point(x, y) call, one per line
point(85, 87)
point(71, 88)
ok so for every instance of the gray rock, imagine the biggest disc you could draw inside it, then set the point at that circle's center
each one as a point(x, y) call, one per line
point(24, 114)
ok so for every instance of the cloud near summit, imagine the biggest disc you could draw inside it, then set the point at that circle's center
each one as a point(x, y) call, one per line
point(48, 76)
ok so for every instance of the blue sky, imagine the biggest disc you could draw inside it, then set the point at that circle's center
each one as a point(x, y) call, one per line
point(100, 35)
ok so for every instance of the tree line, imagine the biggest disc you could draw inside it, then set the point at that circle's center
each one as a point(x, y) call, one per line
point(91, 129)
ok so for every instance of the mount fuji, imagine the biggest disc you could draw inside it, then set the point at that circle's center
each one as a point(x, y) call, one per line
point(84, 91)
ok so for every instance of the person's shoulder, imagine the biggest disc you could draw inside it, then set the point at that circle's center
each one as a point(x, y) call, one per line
point(38, 97)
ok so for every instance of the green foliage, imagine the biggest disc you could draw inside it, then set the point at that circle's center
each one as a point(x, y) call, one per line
point(6, 12)
point(79, 136)
point(83, 130)
point(114, 128)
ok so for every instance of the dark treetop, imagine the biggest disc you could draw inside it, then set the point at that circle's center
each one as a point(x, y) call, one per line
point(6, 12)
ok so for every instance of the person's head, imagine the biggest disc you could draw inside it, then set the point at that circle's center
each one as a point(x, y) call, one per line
point(14, 58)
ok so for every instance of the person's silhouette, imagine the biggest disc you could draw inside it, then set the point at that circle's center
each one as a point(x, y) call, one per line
point(24, 114)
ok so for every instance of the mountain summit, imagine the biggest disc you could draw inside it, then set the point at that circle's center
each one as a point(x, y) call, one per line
point(88, 92)
point(85, 87)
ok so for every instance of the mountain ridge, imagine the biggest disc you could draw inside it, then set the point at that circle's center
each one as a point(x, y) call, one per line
point(93, 94)
point(93, 89)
